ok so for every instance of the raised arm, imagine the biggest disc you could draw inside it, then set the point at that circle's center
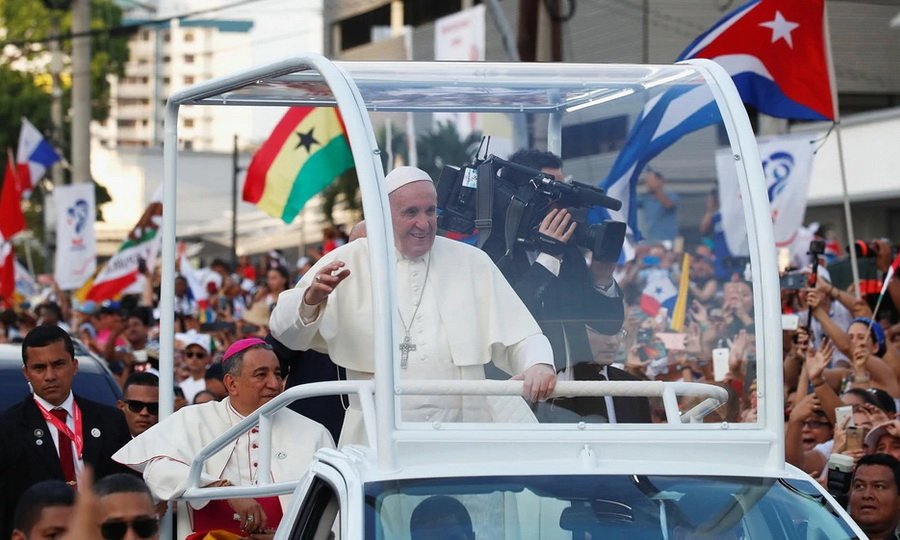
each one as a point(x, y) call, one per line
point(835, 333)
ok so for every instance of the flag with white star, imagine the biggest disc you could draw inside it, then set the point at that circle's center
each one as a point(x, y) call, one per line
point(659, 293)
point(776, 52)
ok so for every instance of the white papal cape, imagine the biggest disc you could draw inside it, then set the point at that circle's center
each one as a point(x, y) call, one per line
point(469, 309)
point(164, 453)
point(481, 313)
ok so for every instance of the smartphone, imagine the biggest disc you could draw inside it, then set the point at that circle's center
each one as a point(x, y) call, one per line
point(644, 335)
point(790, 321)
point(793, 281)
point(720, 363)
point(844, 414)
point(856, 437)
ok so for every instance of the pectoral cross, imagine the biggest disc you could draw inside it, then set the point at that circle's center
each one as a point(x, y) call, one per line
point(405, 348)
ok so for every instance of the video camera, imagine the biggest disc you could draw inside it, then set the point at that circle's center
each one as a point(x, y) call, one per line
point(506, 202)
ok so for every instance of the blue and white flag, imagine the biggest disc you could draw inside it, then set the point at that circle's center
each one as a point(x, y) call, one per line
point(774, 50)
point(666, 118)
point(76, 246)
point(787, 163)
point(36, 152)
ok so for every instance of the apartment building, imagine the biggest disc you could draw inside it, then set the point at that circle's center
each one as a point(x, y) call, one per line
point(865, 46)
point(165, 58)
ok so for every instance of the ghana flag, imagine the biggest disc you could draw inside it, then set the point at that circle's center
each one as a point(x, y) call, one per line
point(304, 154)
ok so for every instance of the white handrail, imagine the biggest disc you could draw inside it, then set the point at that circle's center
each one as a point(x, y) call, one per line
point(715, 395)
point(263, 415)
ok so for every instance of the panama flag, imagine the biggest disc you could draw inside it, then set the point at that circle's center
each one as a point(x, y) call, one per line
point(305, 153)
point(36, 152)
point(776, 53)
point(196, 290)
point(659, 293)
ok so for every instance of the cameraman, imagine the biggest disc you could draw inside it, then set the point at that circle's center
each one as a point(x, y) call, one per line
point(564, 285)
point(579, 307)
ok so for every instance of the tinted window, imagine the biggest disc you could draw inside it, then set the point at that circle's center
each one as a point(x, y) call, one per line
point(92, 382)
point(633, 507)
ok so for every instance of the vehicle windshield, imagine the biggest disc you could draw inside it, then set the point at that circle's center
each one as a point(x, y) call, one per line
point(580, 507)
point(614, 212)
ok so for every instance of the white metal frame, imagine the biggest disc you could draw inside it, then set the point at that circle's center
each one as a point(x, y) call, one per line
point(761, 444)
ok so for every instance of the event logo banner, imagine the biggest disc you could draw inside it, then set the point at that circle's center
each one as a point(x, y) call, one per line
point(76, 246)
point(786, 162)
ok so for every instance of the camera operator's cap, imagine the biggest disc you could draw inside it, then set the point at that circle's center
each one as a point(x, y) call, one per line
point(891, 428)
point(401, 176)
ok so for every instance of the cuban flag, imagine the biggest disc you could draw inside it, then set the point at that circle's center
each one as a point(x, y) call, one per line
point(659, 293)
point(36, 152)
point(774, 50)
point(776, 53)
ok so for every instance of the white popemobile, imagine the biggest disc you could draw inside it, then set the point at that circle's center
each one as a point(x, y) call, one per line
point(697, 472)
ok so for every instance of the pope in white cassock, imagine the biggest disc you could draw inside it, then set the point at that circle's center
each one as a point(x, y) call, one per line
point(457, 311)
point(164, 453)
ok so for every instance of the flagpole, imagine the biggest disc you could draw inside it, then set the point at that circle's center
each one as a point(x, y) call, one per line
point(235, 169)
point(848, 216)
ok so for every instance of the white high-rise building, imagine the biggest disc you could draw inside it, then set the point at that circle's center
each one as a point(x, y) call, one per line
point(164, 59)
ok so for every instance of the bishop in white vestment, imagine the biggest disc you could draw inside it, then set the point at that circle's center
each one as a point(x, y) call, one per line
point(457, 310)
point(164, 453)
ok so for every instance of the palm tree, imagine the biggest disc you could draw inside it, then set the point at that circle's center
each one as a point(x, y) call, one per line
point(444, 146)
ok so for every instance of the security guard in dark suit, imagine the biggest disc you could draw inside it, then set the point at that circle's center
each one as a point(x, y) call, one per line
point(53, 434)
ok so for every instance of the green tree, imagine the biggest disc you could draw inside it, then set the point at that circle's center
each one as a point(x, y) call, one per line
point(346, 187)
point(28, 25)
point(443, 145)
point(25, 84)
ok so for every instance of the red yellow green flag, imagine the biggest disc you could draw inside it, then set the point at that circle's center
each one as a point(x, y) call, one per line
point(304, 154)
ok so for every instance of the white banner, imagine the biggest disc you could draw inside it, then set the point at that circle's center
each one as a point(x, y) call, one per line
point(460, 36)
point(786, 161)
point(76, 248)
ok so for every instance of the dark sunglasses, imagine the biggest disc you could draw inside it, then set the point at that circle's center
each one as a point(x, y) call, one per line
point(144, 527)
point(194, 354)
point(815, 424)
point(136, 406)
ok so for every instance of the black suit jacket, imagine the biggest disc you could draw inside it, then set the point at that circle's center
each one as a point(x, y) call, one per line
point(564, 304)
point(629, 410)
point(302, 367)
point(24, 462)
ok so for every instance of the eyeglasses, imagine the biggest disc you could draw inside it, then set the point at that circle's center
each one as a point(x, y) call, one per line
point(136, 406)
point(144, 527)
point(195, 354)
point(815, 424)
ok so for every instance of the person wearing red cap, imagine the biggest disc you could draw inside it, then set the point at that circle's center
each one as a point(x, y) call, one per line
point(163, 453)
point(457, 312)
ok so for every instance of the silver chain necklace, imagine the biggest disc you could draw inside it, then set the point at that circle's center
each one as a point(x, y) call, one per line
point(407, 346)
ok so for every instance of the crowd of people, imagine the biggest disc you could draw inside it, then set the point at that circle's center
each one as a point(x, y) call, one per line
point(672, 312)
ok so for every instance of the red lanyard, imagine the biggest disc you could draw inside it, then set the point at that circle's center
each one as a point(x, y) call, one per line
point(78, 436)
